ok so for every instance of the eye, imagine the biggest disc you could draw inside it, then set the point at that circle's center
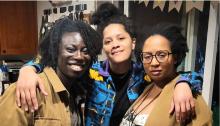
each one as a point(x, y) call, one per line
point(122, 38)
point(70, 49)
point(161, 54)
point(147, 56)
point(85, 51)
point(106, 42)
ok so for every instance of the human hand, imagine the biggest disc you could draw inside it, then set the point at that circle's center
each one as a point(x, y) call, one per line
point(183, 103)
point(26, 86)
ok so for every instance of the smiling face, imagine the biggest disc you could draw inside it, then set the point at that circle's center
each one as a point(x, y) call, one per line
point(73, 56)
point(156, 70)
point(117, 43)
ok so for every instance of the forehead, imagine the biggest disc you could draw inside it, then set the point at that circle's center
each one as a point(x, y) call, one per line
point(155, 43)
point(114, 29)
point(72, 38)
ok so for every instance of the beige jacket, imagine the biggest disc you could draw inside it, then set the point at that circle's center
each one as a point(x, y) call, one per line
point(160, 116)
point(53, 110)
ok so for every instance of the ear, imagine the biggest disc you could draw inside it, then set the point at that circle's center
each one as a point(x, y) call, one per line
point(133, 43)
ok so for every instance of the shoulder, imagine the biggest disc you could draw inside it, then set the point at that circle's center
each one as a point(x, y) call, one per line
point(138, 71)
point(10, 110)
point(9, 94)
point(201, 106)
point(203, 111)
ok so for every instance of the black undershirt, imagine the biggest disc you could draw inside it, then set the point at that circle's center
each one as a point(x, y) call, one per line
point(122, 102)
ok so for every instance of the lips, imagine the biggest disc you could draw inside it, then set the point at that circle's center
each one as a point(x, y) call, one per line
point(116, 52)
point(155, 72)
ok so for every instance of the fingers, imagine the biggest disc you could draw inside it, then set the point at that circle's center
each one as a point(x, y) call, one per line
point(27, 82)
point(33, 100)
point(177, 111)
point(184, 103)
point(188, 111)
point(23, 101)
point(171, 108)
point(182, 112)
point(192, 105)
point(29, 100)
point(18, 102)
point(41, 87)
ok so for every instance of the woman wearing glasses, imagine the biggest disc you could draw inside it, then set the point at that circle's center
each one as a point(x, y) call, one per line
point(162, 52)
point(116, 82)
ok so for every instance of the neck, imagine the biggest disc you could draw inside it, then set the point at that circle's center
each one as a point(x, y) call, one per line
point(67, 82)
point(120, 68)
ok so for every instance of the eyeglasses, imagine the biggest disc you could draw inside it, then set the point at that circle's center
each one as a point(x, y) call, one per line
point(161, 56)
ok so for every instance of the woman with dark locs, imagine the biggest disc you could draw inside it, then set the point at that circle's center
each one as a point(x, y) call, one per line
point(67, 52)
point(117, 81)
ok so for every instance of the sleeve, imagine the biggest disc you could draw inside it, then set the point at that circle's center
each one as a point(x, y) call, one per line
point(10, 113)
point(193, 79)
point(35, 63)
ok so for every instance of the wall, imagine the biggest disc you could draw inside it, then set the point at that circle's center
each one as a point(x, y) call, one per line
point(41, 5)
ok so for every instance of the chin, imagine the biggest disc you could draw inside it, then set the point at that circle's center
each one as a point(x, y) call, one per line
point(156, 78)
point(119, 60)
point(75, 74)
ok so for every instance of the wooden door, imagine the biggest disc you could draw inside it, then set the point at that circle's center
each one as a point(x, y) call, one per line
point(18, 27)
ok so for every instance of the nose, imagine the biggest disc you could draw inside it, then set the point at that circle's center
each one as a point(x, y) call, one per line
point(115, 44)
point(154, 61)
point(78, 55)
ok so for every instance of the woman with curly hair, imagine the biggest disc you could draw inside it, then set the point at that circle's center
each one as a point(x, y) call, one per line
point(162, 52)
point(116, 82)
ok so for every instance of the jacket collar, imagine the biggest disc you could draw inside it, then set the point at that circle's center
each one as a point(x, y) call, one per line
point(137, 68)
point(54, 79)
point(104, 68)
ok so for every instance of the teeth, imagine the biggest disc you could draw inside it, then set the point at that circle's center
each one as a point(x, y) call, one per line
point(76, 68)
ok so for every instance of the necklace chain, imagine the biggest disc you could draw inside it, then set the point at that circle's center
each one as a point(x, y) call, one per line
point(134, 113)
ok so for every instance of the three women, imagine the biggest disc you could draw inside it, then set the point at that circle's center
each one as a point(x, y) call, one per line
point(116, 82)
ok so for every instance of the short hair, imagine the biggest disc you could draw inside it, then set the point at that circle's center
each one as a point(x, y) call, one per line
point(171, 32)
point(106, 14)
point(49, 45)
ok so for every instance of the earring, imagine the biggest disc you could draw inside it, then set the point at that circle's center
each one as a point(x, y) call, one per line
point(147, 78)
